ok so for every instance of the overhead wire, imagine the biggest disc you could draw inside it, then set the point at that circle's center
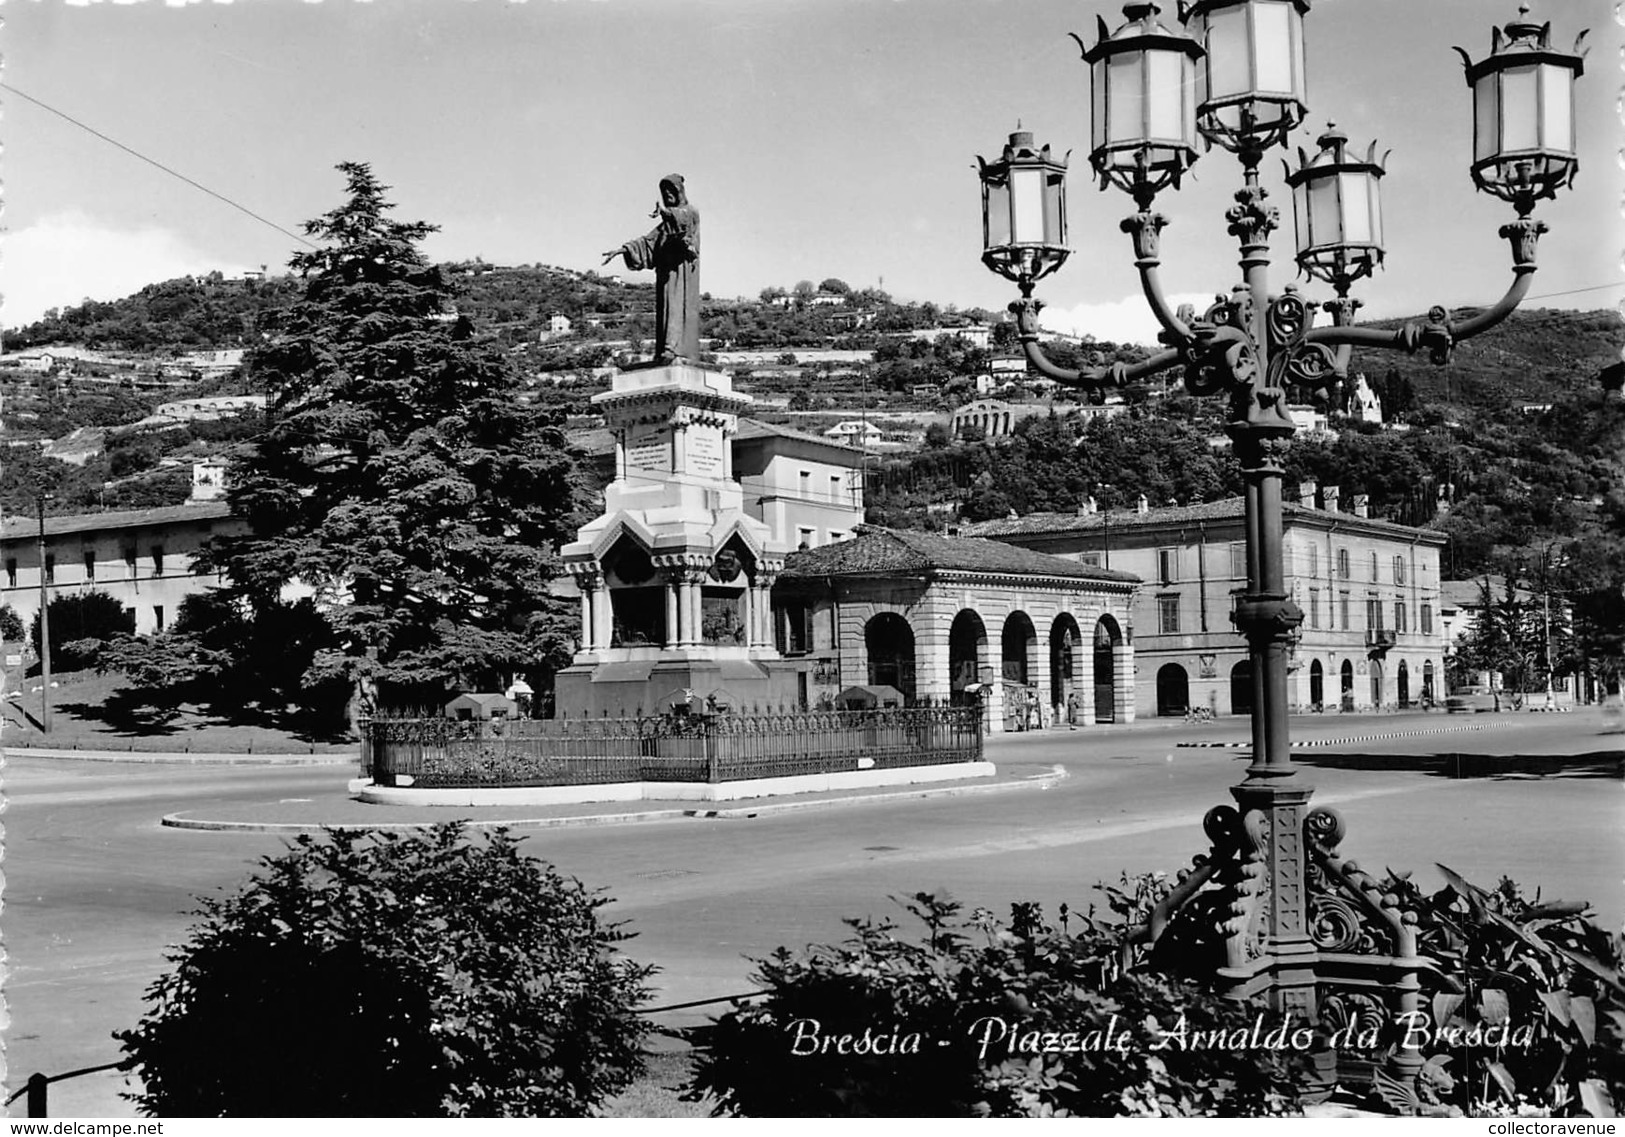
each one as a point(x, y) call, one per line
point(159, 165)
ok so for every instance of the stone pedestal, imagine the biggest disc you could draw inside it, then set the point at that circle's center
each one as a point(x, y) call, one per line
point(675, 577)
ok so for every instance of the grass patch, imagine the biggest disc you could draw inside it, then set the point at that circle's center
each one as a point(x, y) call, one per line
point(84, 716)
point(656, 1094)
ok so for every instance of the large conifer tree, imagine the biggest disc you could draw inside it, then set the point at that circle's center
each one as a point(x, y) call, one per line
point(398, 474)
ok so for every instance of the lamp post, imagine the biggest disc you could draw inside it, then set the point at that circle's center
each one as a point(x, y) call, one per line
point(1106, 520)
point(1236, 78)
point(1547, 561)
point(44, 628)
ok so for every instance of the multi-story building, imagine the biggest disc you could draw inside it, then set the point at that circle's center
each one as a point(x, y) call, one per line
point(143, 558)
point(807, 489)
point(1372, 634)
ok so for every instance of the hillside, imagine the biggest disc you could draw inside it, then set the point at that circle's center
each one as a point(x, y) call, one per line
point(1512, 437)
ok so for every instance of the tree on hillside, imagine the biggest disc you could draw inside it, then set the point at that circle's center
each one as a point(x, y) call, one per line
point(835, 285)
point(398, 474)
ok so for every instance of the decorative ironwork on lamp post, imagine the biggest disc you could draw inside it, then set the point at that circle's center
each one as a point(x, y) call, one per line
point(1237, 79)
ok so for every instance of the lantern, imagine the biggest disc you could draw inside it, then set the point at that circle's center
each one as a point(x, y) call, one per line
point(1251, 91)
point(1338, 209)
point(1024, 211)
point(1523, 113)
point(1143, 88)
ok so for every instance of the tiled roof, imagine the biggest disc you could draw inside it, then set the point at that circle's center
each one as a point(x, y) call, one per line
point(755, 428)
point(896, 552)
point(1225, 509)
point(22, 526)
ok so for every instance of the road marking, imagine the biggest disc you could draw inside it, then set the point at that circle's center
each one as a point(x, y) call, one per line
point(1335, 741)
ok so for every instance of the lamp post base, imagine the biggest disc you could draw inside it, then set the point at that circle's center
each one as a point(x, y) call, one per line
point(1325, 947)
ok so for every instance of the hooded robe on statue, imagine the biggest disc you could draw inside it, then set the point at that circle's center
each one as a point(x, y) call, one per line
point(673, 251)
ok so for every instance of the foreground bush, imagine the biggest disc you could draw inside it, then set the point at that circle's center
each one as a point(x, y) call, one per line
point(1526, 1013)
point(947, 1026)
point(394, 976)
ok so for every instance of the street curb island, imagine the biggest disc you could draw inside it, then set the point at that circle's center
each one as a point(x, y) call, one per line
point(676, 813)
point(178, 758)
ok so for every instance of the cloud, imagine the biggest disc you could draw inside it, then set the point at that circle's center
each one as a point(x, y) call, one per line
point(66, 258)
point(1122, 321)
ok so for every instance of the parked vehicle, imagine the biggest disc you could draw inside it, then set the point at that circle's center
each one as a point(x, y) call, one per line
point(1471, 700)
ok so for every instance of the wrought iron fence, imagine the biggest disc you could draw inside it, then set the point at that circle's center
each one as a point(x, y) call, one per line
point(441, 752)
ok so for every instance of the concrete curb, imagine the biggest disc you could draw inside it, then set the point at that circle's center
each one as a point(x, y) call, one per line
point(1331, 741)
point(159, 757)
point(1031, 782)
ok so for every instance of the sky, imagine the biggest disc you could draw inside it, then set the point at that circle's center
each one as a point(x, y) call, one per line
point(818, 138)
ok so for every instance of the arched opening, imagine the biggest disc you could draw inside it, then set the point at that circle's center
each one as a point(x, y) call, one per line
point(889, 642)
point(1376, 684)
point(1065, 641)
point(724, 609)
point(967, 647)
point(1107, 637)
point(1241, 688)
point(637, 597)
point(1317, 685)
point(1403, 680)
point(1346, 685)
point(1427, 683)
point(1016, 643)
point(1173, 690)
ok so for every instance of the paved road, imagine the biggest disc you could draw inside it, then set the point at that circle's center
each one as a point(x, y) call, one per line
point(95, 887)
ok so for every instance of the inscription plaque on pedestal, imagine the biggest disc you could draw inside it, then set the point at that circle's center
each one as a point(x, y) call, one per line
point(704, 452)
point(648, 447)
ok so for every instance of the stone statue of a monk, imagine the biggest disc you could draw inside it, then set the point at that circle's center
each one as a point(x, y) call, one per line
point(672, 249)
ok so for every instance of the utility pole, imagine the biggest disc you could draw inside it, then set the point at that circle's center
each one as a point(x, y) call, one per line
point(44, 629)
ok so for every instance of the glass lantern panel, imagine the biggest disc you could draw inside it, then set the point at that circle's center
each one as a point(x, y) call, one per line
point(1027, 206)
point(1272, 41)
point(1229, 68)
point(1055, 209)
point(1520, 109)
point(1376, 211)
point(1557, 108)
point(1300, 71)
point(1356, 191)
point(1165, 93)
point(1097, 124)
point(1126, 114)
point(1485, 135)
point(1325, 226)
point(996, 210)
point(1300, 215)
point(1188, 73)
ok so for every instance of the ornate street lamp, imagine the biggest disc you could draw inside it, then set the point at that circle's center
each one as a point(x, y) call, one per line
point(1283, 926)
point(1143, 94)
point(1523, 113)
point(1024, 212)
point(1252, 80)
point(1338, 209)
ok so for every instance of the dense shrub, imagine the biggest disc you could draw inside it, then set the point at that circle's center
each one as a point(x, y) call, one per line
point(1526, 1013)
point(392, 975)
point(941, 1027)
point(80, 623)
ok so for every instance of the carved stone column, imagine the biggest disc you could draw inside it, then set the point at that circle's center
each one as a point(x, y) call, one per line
point(590, 582)
point(761, 615)
point(673, 609)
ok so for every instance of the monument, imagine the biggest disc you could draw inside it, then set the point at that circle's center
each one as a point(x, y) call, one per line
point(672, 249)
point(675, 577)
